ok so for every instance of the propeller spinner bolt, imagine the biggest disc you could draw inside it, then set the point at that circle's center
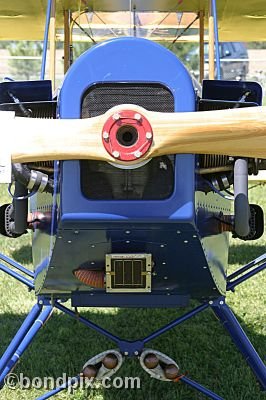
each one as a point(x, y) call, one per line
point(105, 135)
point(137, 154)
point(137, 116)
point(127, 135)
point(116, 116)
point(116, 154)
point(148, 135)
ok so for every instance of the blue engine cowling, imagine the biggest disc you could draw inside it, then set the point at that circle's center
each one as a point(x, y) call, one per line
point(169, 218)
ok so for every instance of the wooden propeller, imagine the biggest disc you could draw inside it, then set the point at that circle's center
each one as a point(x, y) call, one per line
point(235, 132)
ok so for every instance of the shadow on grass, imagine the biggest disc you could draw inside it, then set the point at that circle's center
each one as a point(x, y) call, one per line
point(200, 346)
point(23, 255)
point(242, 253)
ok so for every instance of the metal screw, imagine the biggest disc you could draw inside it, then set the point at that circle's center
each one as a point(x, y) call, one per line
point(148, 135)
point(221, 302)
point(127, 241)
point(92, 262)
point(136, 353)
point(76, 232)
point(105, 135)
point(69, 241)
point(162, 245)
point(116, 116)
point(178, 232)
point(210, 302)
point(137, 154)
point(165, 277)
point(41, 302)
point(126, 353)
point(137, 116)
point(205, 267)
point(92, 245)
point(116, 154)
point(127, 232)
point(185, 241)
point(164, 263)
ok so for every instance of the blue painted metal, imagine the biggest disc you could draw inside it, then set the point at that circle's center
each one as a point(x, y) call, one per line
point(216, 34)
point(17, 276)
point(33, 330)
point(178, 208)
point(165, 228)
point(31, 317)
point(232, 284)
point(45, 39)
point(231, 324)
point(200, 388)
point(88, 323)
point(16, 265)
point(232, 91)
point(83, 298)
point(70, 382)
point(129, 60)
point(176, 322)
point(246, 267)
point(26, 91)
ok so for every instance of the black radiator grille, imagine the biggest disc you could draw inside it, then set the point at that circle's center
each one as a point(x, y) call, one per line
point(100, 98)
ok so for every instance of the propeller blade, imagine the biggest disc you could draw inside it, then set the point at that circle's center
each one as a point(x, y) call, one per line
point(128, 134)
point(233, 132)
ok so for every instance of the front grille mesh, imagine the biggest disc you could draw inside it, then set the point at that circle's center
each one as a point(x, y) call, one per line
point(100, 98)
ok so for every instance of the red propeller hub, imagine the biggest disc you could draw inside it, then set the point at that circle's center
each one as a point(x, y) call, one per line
point(127, 135)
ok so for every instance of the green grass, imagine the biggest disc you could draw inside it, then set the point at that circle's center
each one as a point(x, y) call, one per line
point(200, 346)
